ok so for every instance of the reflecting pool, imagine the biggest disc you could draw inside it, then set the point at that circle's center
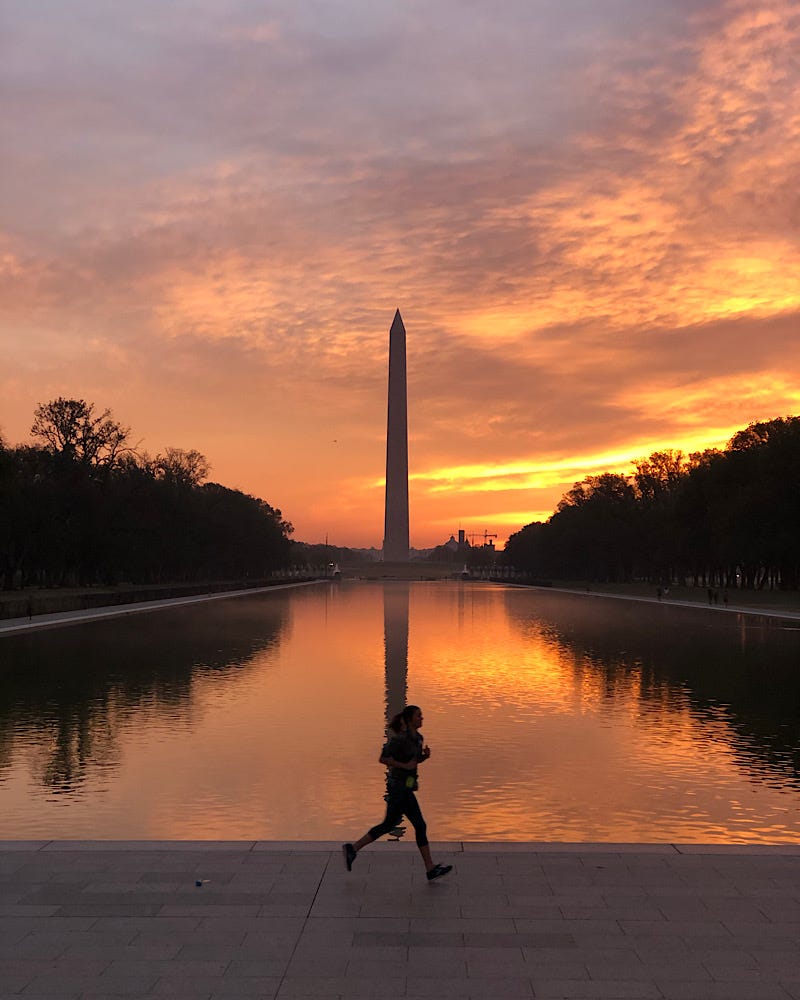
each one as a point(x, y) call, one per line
point(550, 717)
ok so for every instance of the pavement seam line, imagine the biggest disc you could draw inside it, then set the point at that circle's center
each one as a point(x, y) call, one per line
point(305, 922)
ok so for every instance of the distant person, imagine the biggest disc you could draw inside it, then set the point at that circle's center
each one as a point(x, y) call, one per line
point(402, 753)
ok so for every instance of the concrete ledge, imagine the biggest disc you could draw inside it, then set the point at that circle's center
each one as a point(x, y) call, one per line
point(403, 847)
point(12, 626)
point(757, 849)
point(144, 845)
point(23, 845)
point(554, 847)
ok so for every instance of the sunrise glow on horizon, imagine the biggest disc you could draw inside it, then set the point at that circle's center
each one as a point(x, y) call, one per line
point(585, 212)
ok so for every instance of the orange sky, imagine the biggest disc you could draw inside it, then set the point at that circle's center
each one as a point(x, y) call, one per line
point(587, 213)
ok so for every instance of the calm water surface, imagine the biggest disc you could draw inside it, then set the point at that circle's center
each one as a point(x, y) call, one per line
point(550, 717)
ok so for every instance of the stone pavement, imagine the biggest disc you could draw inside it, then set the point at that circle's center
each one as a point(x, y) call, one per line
point(278, 920)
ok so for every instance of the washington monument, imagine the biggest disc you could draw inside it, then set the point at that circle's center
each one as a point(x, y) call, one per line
point(395, 529)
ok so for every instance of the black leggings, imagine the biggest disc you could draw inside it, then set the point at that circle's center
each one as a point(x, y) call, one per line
point(401, 802)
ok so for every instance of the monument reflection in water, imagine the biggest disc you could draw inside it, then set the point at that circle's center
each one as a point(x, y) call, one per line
point(550, 718)
point(395, 645)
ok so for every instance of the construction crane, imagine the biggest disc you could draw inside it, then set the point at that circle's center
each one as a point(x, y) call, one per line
point(486, 536)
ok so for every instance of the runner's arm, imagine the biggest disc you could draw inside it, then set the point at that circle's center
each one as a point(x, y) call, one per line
point(406, 765)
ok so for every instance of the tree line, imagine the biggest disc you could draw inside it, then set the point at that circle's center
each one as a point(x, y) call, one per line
point(82, 506)
point(718, 518)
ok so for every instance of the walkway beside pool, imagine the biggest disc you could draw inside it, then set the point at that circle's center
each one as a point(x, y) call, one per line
point(283, 920)
point(10, 626)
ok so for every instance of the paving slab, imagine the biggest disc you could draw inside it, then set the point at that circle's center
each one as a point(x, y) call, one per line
point(277, 920)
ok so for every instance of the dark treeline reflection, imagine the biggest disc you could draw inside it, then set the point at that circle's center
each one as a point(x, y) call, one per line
point(744, 666)
point(72, 690)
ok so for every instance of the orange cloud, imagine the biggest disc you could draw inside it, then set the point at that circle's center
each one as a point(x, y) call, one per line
point(215, 247)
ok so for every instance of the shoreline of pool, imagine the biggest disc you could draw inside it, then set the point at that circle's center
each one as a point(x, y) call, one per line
point(15, 626)
point(782, 848)
point(772, 612)
point(59, 619)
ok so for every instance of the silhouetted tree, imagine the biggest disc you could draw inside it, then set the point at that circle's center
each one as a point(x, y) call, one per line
point(595, 523)
point(657, 481)
point(185, 468)
point(83, 508)
point(68, 427)
point(718, 519)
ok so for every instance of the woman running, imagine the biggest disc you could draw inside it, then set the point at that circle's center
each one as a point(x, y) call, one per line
point(402, 753)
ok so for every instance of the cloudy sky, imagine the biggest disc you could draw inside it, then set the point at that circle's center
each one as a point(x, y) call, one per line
point(586, 210)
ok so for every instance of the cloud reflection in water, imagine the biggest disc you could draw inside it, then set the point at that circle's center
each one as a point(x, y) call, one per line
point(550, 718)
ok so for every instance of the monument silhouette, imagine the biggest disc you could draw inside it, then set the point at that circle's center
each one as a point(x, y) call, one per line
point(395, 528)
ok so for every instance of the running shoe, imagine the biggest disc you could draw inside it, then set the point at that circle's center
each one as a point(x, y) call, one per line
point(438, 870)
point(349, 853)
